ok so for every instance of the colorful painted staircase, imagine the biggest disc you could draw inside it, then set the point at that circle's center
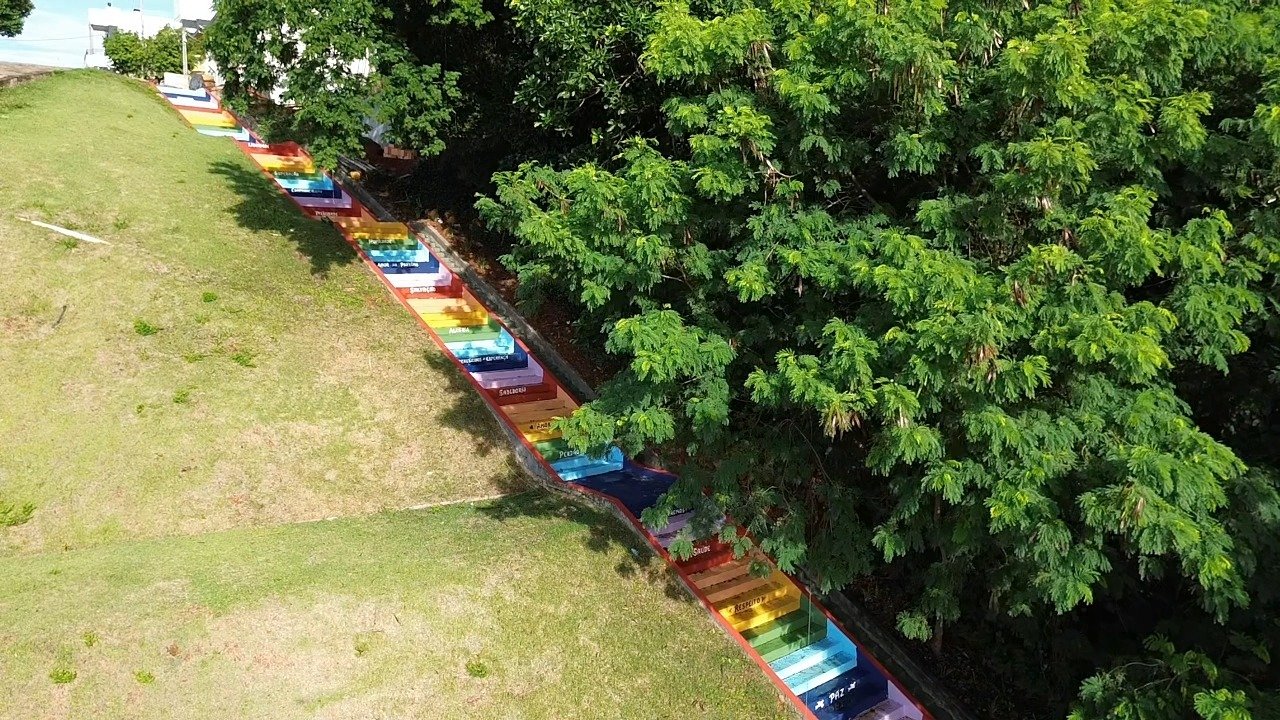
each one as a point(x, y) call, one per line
point(776, 621)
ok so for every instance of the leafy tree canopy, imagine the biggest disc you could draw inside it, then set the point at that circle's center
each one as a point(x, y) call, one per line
point(13, 14)
point(152, 57)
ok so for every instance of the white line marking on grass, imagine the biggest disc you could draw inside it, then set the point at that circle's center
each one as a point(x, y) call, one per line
point(64, 231)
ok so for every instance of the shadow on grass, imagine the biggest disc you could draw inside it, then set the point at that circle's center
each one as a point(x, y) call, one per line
point(605, 533)
point(262, 207)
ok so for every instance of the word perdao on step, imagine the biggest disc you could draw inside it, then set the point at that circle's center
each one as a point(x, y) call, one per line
point(777, 622)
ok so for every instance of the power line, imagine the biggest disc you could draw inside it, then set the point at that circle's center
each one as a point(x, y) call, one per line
point(25, 40)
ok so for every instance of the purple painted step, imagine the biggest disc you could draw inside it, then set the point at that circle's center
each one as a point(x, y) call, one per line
point(531, 375)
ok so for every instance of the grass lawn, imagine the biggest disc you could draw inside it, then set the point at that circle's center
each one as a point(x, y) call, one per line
point(218, 418)
point(520, 608)
point(281, 382)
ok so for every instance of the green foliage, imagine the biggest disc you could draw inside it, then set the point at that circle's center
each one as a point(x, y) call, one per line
point(917, 285)
point(341, 62)
point(13, 14)
point(151, 57)
point(13, 515)
point(477, 669)
point(62, 675)
point(144, 677)
point(144, 328)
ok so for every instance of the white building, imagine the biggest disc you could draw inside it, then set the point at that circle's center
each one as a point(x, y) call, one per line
point(105, 21)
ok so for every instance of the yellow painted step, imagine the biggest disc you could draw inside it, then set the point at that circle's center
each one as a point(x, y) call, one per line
point(208, 118)
point(364, 229)
point(752, 593)
point(766, 612)
point(539, 436)
point(281, 163)
point(463, 319)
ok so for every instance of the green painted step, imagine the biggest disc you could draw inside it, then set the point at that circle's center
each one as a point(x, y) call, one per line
point(798, 639)
point(471, 333)
point(802, 620)
point(554, 450)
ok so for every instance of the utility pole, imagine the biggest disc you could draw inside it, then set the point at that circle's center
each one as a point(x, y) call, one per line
point(185, 70)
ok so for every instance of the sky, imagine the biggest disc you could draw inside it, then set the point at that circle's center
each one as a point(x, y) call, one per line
point(57, 31)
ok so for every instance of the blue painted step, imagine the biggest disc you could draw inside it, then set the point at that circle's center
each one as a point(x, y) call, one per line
point(420, 254)
point(333, 194)
point(635, 487)
point(581, 466)
point(814, 665)
point(304, 183)
point(501, 345)
point(405, 267)
point(498, 361)
point(849, 695)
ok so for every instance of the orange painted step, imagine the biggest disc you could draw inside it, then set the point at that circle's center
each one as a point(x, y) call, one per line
point(462, 303)
point(558, 406)
point(741, 585)
point(724, 573)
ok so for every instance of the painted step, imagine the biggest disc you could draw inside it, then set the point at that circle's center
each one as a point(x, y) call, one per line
point(542, 425)
point(409, 267)
point(707, 554)
point(504, 343)
point(420, 282)
point(376, 229)
point(614, 455)
point(535, 436)
point(676, 523)
point(435, 306)
point(531, 375)
point(288, 164)
point(785, 645)
point(579, 472)
point(208, 118)
point(342, 202)
point(517, 360)
point(789, 633)
point(848, 695)
point(237, 133)
point(439, 320)
point(473, 333)
point(743, 589)
point(724, 573)
point(388, 244)
point(302, 181)
point(557, 406)
point(193, 103)
point(452, 288)
point(168, 90)
point(417, 254)
point(284, 149)
point(554, 451)
point(747, 616)
point(887, 710)
point(814, 665)
point(332, 194)
point(517, 394)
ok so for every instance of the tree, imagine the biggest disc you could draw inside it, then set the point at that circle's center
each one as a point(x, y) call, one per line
point(921, 277)
point(13, 14)
point(342, 62)
point(150, 58)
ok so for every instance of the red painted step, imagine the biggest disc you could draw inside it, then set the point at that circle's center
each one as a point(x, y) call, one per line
point(516, 394)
